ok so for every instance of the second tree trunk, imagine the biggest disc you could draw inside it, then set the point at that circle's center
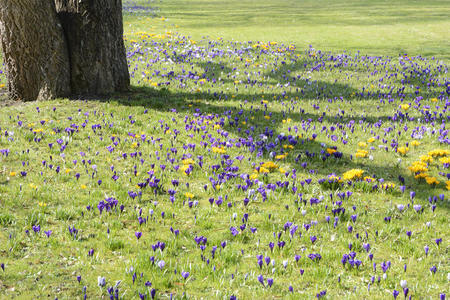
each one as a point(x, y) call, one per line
point(94, 33)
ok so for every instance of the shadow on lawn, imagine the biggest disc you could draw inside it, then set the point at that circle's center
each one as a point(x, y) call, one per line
point(293, 86)
point(298, 86)
point(163, 100)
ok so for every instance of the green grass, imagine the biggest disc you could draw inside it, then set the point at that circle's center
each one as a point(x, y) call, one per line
point(247, 99)
point(373, 27)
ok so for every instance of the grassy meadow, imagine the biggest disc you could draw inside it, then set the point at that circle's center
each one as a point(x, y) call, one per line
point(373, 27)
point(266, 149)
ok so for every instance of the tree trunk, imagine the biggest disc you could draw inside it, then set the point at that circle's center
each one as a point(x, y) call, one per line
point(94, 33)
point(34, 50)
point(75, 46)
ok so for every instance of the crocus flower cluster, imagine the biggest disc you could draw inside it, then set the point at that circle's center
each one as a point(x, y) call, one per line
point(331, 165)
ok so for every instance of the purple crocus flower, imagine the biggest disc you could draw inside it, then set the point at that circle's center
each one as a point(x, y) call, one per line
point(271, 245)
point(269, 282)
point(405, 291)
point(321, 294)
point(260, 263)
point(153, 293)
point(433, 269)
point(161, 264)
point(366, 247)
point(37, 228)
point(48, 233)
point(261, 279)
point(101, 281)
point(234, 231)
point(395, 293)
point(417, 207)
point(138, 234)
point(185, 275)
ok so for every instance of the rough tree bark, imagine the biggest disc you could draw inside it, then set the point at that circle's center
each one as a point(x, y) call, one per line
point(56, 47)
point(34, 50)
point(94, 32)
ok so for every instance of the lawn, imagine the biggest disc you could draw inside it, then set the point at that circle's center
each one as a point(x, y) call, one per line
point(373, 27)
point(288, 149)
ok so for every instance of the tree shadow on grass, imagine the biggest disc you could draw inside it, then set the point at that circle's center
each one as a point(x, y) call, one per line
point(291, 78)
point(164, 100)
